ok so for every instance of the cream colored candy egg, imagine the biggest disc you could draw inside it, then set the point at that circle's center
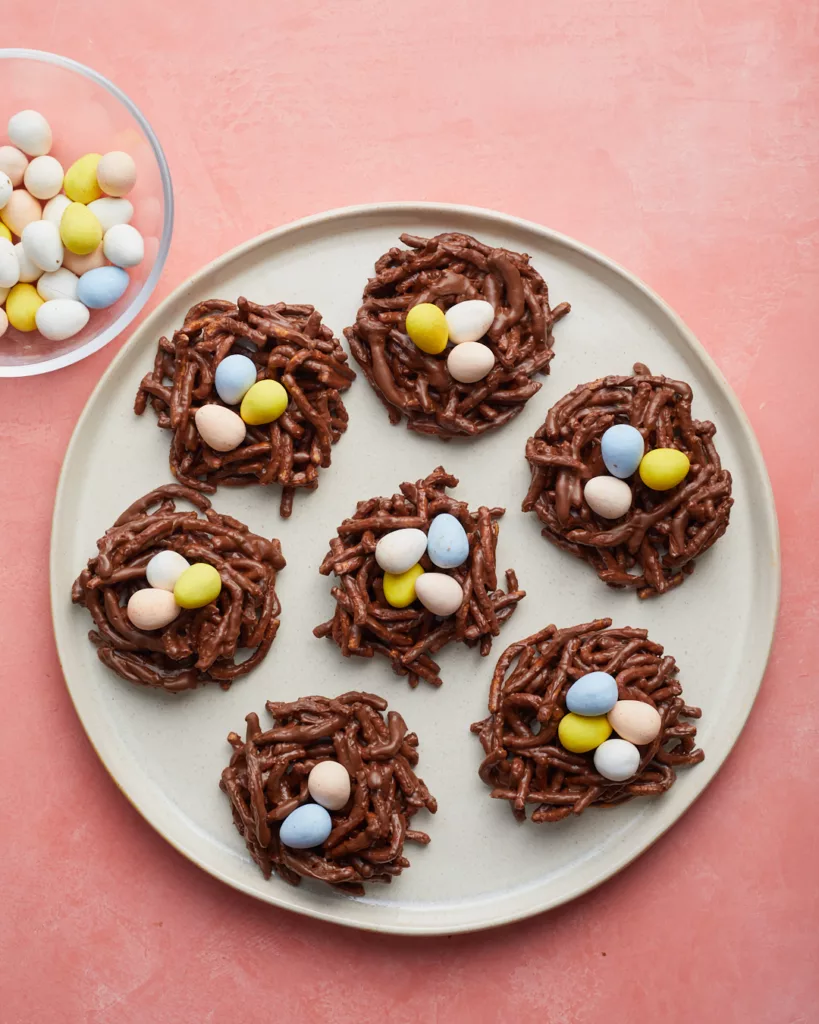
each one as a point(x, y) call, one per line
point(635, 721)
point(400, 550)
point(21, 209)
point(329, 785)
point(42, 245)
point(608, 496)
point(6, 188)
point(59, 319)
point(61, 284)
point(9, 264)
point(80, 265)
point(165, 568)
point(111, 211)
point(470, 362)
point(152, 609)
point(116, 173)
point(123, 245)
point(439, 593)
point(29, 271)
point(44, 177)
point(470, 320)
point(219, 427)
point(13, 163)
point(29, 131)
point(55, 208)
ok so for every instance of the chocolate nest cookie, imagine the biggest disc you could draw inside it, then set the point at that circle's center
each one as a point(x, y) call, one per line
point(200, 645)
point(445, 270)
point(287, 343)
point(652, 546)
point(525, 761)
point(364, 623)
point(267, 780)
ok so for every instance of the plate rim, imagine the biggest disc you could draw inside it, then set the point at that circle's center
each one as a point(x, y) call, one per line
point(340, 913)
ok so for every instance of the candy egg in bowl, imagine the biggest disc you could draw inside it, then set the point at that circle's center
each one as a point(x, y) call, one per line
point(72, 143)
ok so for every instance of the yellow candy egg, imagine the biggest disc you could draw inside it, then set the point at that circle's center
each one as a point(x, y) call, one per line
point(4, 231)
point(427, 327)
point(197, 586)
point(663, 468)
point(264, 402)
point(22, 304)
point(399, 590)
point(580, 734)
point(80, 230)
point(80, 182)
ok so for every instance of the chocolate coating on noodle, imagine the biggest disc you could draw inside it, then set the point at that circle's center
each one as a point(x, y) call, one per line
point(200, 645)
point(287, 343)
point(525, 762)
point(444, 270)
point(663, 531)
point(364, 624)
point(267, 780)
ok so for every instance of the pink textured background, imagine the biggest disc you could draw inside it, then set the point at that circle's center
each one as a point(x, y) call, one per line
point(679, 138)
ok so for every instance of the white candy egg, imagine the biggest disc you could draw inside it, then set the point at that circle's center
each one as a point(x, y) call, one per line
point(29, 271)
point(62, 284)
point(400, 550)
point(6, 188)
point(111, 211)
point(608, 496)
point(152, 609)
point(220, 428)
point(470, 362)
point(4, 320)
point(469, 321)
point(329, 785)
point(123, 245)
point(9, 264)
point(29, 131)
point(617, 760)
point(55, 208)
point(42, 244)
point(439, 593)
point(13, 163)
point(165, 568)
point(59, 319)
point(44, 177)
point(116, 173)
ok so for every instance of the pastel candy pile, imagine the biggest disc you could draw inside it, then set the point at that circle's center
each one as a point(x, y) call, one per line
point(73, 220)
point(260, 402)
point(462, 326)
point(173, 584)
point(398, 553)
point(310, 824)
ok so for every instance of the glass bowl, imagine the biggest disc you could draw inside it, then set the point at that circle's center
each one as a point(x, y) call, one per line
point(88, 114)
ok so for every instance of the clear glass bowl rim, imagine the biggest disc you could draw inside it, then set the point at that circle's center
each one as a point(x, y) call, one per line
point(139, 300)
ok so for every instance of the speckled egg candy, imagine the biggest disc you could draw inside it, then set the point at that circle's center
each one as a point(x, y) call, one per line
point(263, 403)
point(62, 284)
point(81, 264)
point(197, 586)
point(55, 208)
point(447, 542)
point(307, 826)
point(116, 173)
point(617, 760)
point(399, 589)
point(165, 568)
point(592, 694)
point(80, 182)
point(29, 271)
point(219, 427)
point(636, 721)
point(22, 304)
point(470, 362)
point(580, 734)
point(60, 319)
point(42, 244)
point(469, 321)
point(329, 785)
point(400, 550)
point(13, 162)
point(622, 447)
point(152, 609)
point(44, 177)
point(234, 377)
point(438, 593)
point(29, 131)
point(111, 211)
point(664, 468)
point(80, 230)
point(9, 264)
point(102, 287)
point(21, 209)
point(608, 496)
point(427, 327)
point(123, 245)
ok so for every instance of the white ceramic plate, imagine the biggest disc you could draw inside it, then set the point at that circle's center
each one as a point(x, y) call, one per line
point(481, 869)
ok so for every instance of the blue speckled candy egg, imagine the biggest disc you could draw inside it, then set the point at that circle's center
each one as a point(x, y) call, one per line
point(307, 826)
point(234, 377)
point(102, 287)
point(447, 543)
point(592, 694)
point(622, 448)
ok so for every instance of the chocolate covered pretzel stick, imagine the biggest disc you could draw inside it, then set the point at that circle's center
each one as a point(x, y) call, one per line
point(267, 780)
point(525, 762)
point(663, 531)
point(287, 343)
point(364, 624)
point(443, 270)
point(199, 645)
